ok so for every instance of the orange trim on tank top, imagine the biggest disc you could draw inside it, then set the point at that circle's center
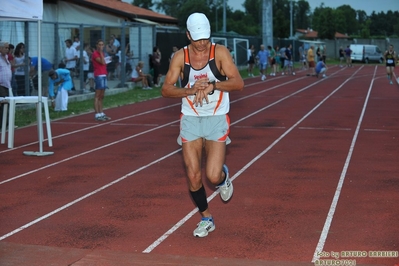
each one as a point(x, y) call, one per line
point(218, 103)
point(186, 59)
point(212, 53)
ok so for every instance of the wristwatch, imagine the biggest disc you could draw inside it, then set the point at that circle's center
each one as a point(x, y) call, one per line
point(214, 86)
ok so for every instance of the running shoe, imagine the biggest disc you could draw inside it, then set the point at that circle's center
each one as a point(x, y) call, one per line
point(105, 117)
point(99, 118)
point(226, 188)
point(205, 226)
point(390, 82)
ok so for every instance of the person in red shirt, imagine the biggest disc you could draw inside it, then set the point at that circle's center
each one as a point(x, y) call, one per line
point(100, 80)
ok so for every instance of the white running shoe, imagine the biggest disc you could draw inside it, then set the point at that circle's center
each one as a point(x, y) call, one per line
point(226, 188)
point(293, 73)
point(204, 227)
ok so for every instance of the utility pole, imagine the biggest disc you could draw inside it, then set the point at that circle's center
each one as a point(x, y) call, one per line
point(224, 16)
point(267, 22)
point(291, 11)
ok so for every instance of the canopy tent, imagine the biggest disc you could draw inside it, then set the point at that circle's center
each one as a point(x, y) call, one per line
point(27, 10)
point(22, 10)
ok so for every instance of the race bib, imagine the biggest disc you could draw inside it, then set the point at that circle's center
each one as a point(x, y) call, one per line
point(390, 61)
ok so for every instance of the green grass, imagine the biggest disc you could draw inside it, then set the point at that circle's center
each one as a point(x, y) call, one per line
point(25, 117)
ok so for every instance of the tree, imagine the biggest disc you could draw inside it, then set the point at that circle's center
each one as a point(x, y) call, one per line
point(316, 18)
point(281, 25)
point(365, 31)
point(302, 15)
point(252, 8)
point(326, 29)
point(147, 4)
point(181, 9)
point(340, 21)
point(351, 25)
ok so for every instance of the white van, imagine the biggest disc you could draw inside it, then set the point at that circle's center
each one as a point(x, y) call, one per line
point(366, 53)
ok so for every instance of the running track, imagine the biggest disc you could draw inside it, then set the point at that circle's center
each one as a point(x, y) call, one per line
point(314, 163)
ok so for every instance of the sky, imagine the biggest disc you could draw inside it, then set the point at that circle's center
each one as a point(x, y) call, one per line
point(367, 5)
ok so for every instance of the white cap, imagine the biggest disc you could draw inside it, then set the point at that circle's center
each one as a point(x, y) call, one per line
point(198, 26)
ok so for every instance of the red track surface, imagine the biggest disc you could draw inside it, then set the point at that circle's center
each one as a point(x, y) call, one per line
point(314, 163)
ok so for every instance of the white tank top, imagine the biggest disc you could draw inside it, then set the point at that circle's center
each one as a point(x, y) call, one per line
point(219, 102)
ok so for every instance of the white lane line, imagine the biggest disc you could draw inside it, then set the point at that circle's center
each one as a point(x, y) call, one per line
point(87, 152)
point(327, 224)
point(194, 211)
point(325, 128)
point(60, 121)
point(95, 126)
point(120, 179)
point(86, 196)
point(115, 142)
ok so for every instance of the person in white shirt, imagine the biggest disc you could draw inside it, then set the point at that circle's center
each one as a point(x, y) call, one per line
point(76, 43)
point(117, 44)
point(71, 57)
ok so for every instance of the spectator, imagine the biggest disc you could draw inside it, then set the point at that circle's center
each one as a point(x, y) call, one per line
point(76, 43)
point(263, 57)
point(111, 51)
point(301, 52)
point(5, 75)
point(272, 60)
point(251, 60)
point(318, 53)
point(116, 42)
point(278, 57)
point(89, 76)
point(288, 62)
point(321, 68)
point(46, 68)
point(311, 63)
point(12, 61)
point(282, 59)
point(138, 75)
point(71, 57)
point(100, 79)
point(341, 56)
point(323, 53)
point(19, 58)
point(348, 54)
point(156, 62)
point(61, 80)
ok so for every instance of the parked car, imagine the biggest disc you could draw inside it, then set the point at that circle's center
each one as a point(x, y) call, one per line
point(366, 53)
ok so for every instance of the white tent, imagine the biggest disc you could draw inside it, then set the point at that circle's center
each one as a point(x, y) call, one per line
point(22, 10)
point(29, 10)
